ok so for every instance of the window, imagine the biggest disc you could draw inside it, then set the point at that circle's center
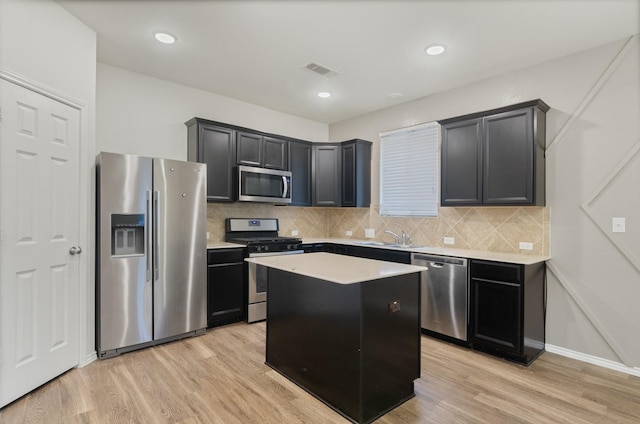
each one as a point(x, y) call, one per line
point(409, 171)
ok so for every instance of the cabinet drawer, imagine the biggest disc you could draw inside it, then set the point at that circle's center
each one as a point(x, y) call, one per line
point(496, 271)
point(224, 256)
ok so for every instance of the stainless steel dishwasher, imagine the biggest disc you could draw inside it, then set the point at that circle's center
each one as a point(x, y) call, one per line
point(444, 294)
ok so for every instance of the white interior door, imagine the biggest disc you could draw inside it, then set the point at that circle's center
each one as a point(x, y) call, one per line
point(39, 195)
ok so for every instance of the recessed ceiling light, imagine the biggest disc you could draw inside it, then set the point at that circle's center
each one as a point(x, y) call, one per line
point(395, 95)
point(435, 50)
point(324, 94)
point(164, 37)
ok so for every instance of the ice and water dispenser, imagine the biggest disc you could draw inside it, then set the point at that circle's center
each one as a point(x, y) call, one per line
point(127, 235)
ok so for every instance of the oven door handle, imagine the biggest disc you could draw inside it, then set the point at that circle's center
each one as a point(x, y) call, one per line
point(287, 252)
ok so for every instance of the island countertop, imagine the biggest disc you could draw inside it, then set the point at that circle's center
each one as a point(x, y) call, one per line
point(338, 269)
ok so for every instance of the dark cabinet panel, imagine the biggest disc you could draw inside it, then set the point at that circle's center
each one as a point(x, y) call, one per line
point(326, 173)
point(275, 153)
point(216, 147)
point(300, 156)
point(507, 309)
point(226, 287)
point(343, 343)
point(257, 150)
point(249, 149)
point(462, 163)
point(388, 255)
point(497, 315)
point(495, 157)
point(509, 154)
point(318, 175)
point(356, 173)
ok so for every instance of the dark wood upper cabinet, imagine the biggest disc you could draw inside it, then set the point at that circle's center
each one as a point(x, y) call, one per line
point(326, 174)
point(262, 151)
point(495, 157)
point(461, 167)
point(249, 149)
point(300, 157)
point(275, 153)
point(215, 146)
point(356, 173)
point(322, 174)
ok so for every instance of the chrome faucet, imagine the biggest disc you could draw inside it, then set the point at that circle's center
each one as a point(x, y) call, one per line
point(397, 237)
point(402, 240)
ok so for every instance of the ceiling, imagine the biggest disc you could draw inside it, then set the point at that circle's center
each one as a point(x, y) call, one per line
point(257, 51)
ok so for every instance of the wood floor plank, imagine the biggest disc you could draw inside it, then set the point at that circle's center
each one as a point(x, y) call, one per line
point(221, 378)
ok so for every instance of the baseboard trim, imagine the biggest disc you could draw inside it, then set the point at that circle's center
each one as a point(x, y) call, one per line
point(612, 365)
point(89, 359)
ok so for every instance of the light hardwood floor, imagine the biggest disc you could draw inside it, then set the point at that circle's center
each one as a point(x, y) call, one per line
point(221, 378)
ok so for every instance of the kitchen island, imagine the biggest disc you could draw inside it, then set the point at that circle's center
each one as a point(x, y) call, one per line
point(345, 329)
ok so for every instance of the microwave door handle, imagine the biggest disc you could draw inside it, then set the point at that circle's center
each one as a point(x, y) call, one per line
point(285, 186)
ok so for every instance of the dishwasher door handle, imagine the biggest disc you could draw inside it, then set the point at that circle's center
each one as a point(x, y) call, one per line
point(436, 265)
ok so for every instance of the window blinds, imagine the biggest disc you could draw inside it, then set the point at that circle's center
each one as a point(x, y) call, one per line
point(409, 171)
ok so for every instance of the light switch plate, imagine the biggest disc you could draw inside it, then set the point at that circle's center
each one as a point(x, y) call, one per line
point(618, 225)
point(449, 240)
point(349, 233)
point(369, 232)
point(207, 235)
point(525, 245)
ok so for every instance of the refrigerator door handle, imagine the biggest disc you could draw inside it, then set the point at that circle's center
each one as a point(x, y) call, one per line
point(149, 239)
point(156, 265)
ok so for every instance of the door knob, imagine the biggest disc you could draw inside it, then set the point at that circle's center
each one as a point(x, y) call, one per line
point(75, 250)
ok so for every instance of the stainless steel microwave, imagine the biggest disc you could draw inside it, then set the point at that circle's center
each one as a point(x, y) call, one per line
point(264, 185)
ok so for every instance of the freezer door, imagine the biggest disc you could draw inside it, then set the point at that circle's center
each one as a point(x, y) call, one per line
point(123, 269)
point(179, 262)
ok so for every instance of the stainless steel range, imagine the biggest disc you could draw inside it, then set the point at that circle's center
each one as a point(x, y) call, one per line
point(260, 235)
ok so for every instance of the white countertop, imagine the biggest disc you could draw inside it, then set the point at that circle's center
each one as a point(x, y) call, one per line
point(223, 245)
point(514, 258)
point(339, 269)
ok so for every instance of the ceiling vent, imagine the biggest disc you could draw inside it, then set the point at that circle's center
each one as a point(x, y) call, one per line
point(321, 70)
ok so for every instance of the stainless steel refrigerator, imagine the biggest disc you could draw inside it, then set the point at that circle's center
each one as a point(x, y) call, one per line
point(151, 262)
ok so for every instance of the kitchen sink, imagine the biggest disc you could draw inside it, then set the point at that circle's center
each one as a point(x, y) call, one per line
point(383, 244)
point(372, 243)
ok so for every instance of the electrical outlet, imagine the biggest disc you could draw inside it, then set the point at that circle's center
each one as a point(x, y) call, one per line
point(207, 235)
point(525, 245)
point(618, 225)
point(349, 233)
point(369, 232)
point(294, 232)
point(449, 240)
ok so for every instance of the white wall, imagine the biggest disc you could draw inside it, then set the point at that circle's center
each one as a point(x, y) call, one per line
point(594, 275)
point(141, 115)
point(42, 45)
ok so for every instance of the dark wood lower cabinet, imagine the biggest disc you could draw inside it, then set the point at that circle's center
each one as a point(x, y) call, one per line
point(507, 309)
point(226, 287)
point(344, 343)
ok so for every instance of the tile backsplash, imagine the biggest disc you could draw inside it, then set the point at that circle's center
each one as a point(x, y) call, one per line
point(497, 229)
